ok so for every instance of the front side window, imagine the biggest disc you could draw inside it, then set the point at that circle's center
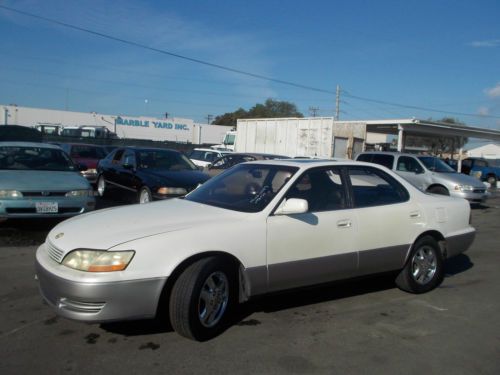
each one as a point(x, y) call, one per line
point(373, 187)
point(34, 158)
point(323, 189)
point(245, 188)
point(409, 164)
point(435, 165)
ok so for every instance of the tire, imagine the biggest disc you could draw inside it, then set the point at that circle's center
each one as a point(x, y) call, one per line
point(424, 269)
point(101, 186)
point(438, 190)
point(144, 195)
point(202, 298)
point(492, 180)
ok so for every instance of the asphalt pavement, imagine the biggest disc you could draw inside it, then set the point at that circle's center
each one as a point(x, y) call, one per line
point(360, 327)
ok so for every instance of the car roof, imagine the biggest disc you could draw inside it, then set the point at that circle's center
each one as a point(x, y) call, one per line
point(29, 144)
point(212, 150)
point(310, 163)
point(394, 153)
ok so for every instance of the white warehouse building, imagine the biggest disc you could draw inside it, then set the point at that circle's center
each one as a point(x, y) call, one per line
point(151, 128)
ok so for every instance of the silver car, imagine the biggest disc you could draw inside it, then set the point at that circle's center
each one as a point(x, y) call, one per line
point(429, 174)
point(40, 180)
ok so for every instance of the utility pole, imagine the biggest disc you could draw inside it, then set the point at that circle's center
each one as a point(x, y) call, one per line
point(313, 111)
point(337, 103)
point(209, 118)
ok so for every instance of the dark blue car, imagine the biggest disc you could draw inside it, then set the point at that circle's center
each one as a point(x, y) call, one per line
point(148, 173)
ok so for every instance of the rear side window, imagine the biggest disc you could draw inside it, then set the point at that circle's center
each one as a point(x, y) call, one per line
point(373, 187)
point(381, 159)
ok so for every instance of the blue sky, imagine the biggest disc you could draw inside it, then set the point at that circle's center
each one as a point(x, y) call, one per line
point(435, 54)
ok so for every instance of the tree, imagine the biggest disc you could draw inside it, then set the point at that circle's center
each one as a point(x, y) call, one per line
point(270, 109)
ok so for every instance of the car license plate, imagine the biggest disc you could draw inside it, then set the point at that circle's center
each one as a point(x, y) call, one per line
point(46, 207)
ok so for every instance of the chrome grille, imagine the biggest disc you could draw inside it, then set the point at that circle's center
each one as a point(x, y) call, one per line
point(54, 253)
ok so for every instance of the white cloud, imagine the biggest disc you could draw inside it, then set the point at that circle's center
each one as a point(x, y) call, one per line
point(485, 43)
point(483, 111)
point(493, 92)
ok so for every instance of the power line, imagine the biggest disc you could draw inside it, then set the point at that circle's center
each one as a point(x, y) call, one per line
point(165, 52)
point(415, 107)
point(233, 70)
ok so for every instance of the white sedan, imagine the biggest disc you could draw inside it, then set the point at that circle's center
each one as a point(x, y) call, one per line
point(257, 228)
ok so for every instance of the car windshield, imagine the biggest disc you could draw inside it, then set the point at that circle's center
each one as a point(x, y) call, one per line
point(436, 165)
point(165, 160)
point(34, 158)
point(244, 188)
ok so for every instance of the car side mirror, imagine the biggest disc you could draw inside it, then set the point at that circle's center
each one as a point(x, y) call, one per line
point(292, 206)
point(82, 167)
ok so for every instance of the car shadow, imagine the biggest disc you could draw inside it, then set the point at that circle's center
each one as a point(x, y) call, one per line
point(268, 304)
point(288, 300)
point(457, 264)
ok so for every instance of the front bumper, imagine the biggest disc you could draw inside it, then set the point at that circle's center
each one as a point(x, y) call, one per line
point(471, 196)
point(26, 207)
point(97, 302)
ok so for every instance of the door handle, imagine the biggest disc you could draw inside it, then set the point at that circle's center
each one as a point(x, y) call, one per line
point(415, 214)
point(344, 223)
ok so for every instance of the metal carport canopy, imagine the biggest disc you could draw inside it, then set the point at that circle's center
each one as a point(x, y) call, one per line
point(402, 127)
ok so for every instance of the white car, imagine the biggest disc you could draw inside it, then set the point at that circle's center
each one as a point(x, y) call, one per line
point(202, 157)
point(259, 227)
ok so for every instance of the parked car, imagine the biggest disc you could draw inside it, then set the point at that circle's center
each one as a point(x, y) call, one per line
point(18, 133)
point(227, 161)
point(148, 173)
point(202, 157)
point(429, 174)
point(260, 227)
point(86, 154)
point(483, 169)
point(40, 180)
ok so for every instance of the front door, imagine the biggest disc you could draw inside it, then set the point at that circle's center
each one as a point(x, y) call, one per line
point(319, 245)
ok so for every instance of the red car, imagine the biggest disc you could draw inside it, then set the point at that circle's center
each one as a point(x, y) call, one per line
point(86, 154)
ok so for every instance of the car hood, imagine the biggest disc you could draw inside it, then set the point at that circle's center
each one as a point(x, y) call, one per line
point(30, 180)
point(461, 179)
point(107, 228)
point(179, 178)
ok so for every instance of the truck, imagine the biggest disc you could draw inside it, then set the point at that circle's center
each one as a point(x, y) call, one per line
point(88, 132)
point(481, 168)
point(316, 137)
point(227, 142)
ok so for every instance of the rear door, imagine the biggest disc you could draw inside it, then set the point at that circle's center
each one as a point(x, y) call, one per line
point(387, 220)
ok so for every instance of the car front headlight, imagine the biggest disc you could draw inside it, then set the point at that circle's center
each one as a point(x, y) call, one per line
point(10, 194)
point(172, 191)
point(98, 260)
point(464, 187)
point(79, 193)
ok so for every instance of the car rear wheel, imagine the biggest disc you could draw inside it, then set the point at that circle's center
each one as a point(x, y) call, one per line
point(424, 269)
point(145, 195)
point(439, 190)
point(101, 186)
point(202, 298)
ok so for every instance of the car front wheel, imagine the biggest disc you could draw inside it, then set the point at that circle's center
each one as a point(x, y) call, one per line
point(202, 298)
point(439, 190)
point(101, 186)
point(424, 269)
point(145, 195)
